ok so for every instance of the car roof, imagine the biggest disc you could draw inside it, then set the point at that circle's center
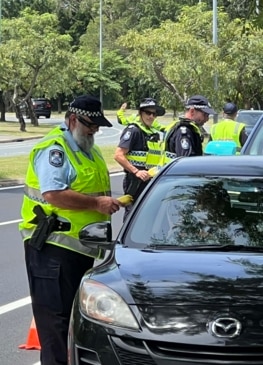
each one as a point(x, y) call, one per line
point(238, 165)
point(250, 111)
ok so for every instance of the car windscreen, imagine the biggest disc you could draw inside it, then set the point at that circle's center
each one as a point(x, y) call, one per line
point(191, 211)
point(249, 118)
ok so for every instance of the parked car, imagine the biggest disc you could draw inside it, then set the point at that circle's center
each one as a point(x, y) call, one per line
point(183, 281)
point(249, 117)
point(254, 143)
point(42, 108)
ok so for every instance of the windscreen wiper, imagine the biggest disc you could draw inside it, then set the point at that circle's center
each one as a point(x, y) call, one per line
point(221, 248)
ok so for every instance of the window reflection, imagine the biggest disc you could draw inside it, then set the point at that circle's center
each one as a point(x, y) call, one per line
point(185, 211)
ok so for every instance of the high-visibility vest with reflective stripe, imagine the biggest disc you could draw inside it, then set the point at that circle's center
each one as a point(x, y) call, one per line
point(92, 178)
point(227, 130)
point(146, 159)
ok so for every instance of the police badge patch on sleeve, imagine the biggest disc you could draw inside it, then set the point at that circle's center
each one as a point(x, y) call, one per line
point(127, 136)
point(185, 144)
point(56, 158)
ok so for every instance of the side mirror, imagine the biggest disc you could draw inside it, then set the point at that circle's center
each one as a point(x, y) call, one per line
point(221, 148)
point(97, 234)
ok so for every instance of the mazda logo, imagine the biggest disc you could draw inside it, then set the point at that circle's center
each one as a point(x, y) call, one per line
point(225, 327)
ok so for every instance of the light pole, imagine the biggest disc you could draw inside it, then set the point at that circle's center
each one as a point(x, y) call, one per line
point(257, 7)
point(101, 93)
point(215, 31)
point(215, 43)
point(215, 22)
point(0, 20)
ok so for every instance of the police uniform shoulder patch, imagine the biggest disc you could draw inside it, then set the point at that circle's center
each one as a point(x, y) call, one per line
point(56, 158)
point(127, 136)
point(183, 130)
point(185, 144)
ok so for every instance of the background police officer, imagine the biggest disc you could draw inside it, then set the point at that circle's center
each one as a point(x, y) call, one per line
point(228, 129)
point(133, 151)
point(184, 137)
point(124, 120)
point(67, 187)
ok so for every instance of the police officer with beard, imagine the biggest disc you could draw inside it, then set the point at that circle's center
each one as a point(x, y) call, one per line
point(67, 187)
point(184, 137)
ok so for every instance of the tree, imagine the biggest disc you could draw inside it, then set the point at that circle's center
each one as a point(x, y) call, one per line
point(91, 79)
point(183, 58)
point(35, 58)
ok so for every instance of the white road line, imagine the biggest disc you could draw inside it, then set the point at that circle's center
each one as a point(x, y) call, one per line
point(12, 187)
point(10, 222)
point(15, 305)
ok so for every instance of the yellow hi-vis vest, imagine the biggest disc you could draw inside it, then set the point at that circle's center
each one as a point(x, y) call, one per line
point(227, 130)
point(145, 159)
point(92, 178)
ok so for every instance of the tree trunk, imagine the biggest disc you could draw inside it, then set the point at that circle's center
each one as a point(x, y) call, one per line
point(2, 107)
point(31, 113)
point(20, 118)
point(59, 105)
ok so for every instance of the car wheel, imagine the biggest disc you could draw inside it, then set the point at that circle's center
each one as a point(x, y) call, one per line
point(48, 116)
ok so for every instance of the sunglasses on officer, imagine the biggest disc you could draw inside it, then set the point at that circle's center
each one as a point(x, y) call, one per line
point(149, 112)
point(86, 123)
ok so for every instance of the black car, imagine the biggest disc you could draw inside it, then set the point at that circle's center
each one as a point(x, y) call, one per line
point(254, 143)
point(183, 283)
point(249, 117)
point(41, 106)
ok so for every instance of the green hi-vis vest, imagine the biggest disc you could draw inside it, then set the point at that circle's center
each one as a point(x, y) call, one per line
point(227, 130)
point(122, 119)
point(92, 179)
point(145, 159)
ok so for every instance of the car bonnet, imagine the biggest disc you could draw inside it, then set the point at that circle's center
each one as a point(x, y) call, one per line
point(167, 277)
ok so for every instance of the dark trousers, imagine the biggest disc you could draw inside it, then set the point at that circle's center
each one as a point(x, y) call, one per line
point(54, 276)
point(133, 186)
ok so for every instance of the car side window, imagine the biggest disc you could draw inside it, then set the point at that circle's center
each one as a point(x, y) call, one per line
point(193, 211)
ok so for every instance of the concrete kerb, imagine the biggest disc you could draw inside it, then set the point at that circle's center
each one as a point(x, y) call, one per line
point(8, 139)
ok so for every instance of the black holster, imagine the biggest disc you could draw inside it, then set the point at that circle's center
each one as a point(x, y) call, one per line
point(45, 225)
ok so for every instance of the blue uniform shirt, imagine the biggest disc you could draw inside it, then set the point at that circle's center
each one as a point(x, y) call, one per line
point(52, 166)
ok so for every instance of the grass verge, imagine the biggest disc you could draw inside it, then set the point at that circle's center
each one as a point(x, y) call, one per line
point(13, 129)
point(14, 168)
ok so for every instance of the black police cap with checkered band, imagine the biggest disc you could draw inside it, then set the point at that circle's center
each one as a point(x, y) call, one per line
point(91, 107)
point(199, 102)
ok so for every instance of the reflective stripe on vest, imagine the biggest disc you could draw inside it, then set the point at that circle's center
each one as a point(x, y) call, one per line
point(63, 240)
point(36, 195)
point(146, 159)
point(154, 154)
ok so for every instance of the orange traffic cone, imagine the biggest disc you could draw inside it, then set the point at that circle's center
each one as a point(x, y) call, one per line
point(32, 338)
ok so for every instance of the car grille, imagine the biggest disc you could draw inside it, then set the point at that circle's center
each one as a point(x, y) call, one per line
point(133, 352)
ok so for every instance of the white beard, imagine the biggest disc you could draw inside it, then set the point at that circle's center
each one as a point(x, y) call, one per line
point(84, 142)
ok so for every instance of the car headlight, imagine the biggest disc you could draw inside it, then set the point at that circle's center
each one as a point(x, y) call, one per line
point(101, 303)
